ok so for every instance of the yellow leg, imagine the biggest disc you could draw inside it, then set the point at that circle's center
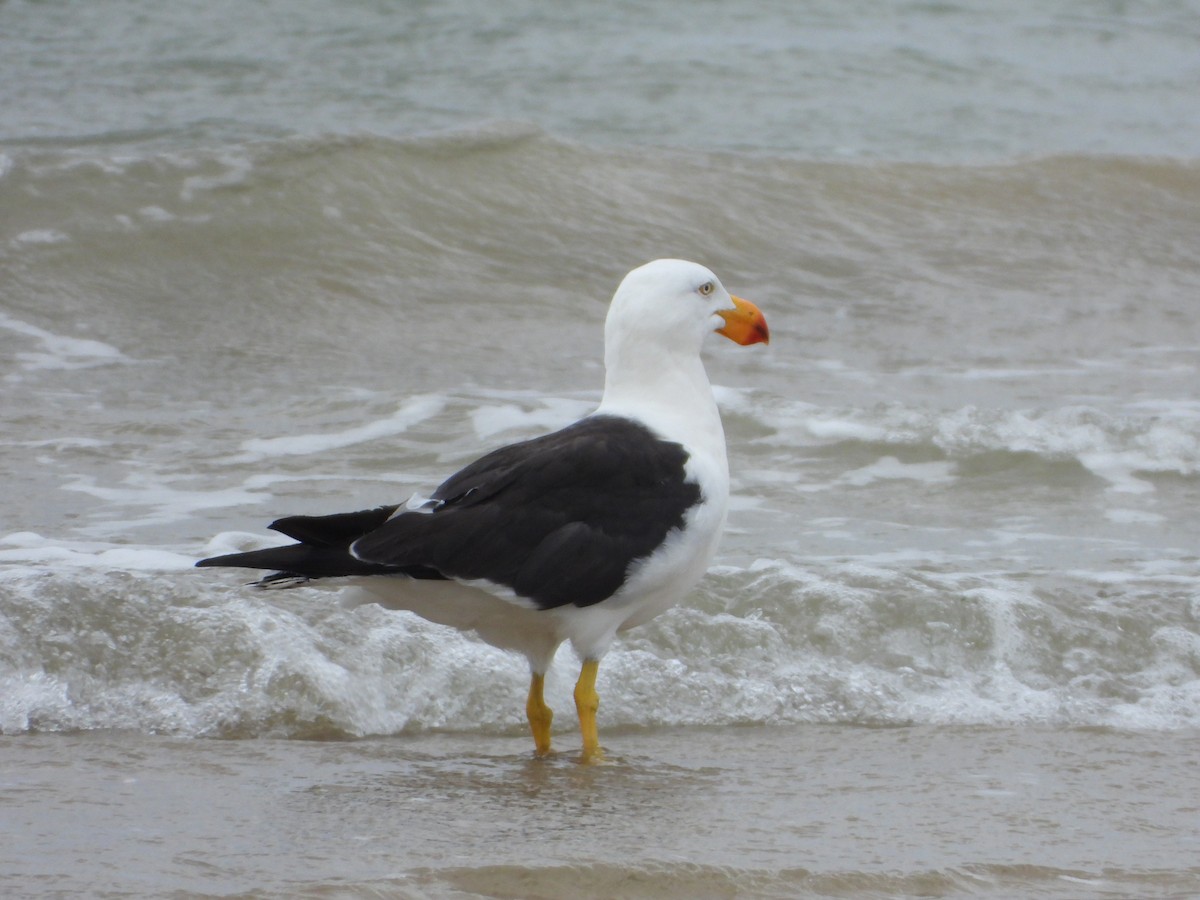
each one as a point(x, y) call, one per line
point(539, 714)
point(587, 701)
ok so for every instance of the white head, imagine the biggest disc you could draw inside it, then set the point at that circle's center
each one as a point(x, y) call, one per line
point(672, 304)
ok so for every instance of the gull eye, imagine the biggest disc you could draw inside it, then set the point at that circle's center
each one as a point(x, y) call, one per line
point(707, 288)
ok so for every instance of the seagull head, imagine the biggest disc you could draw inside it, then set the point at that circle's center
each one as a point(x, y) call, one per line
point(676, 303)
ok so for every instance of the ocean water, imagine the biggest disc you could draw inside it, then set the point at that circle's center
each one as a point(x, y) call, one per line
point(279, 258)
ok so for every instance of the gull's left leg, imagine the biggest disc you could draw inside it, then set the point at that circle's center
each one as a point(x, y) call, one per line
point(539, 714)
point(587, 701)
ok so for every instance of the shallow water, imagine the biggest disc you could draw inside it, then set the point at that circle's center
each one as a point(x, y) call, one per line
point(816, 811)
point(258, 262)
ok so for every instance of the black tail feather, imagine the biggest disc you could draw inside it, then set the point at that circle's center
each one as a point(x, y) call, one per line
point(324, 548)
point(339, 529)
point(303, 559)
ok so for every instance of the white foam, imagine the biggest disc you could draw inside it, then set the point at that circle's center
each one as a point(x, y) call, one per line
point(64, 442)
point(156, 214)
point(1133, 517)
point(733, 397)
point(1165, 573)
point(41, 236)
point(1115, 449)
point(889, 468)
point(548, 415)
point(894, 639)
point(1118, 470)
point(30, 548)
point(1173, 408)
point(886, 468)
point(146, 500)
point(60, 352)
point(242, 541)
point(841, 429)
point(237, 171)
point(1161, 437)
point(413, 411)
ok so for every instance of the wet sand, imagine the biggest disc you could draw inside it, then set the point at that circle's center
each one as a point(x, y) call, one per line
point(755, 811)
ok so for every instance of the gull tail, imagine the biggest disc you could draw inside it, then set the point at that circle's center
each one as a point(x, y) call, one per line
point(323, 550)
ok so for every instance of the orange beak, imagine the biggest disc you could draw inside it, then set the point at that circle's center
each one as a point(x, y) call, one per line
point(744, 324)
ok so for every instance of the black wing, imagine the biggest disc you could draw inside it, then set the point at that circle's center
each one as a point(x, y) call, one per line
point(558, 519)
